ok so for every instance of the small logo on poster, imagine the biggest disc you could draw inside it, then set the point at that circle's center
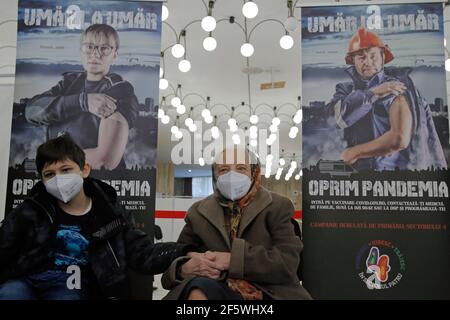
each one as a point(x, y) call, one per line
point(380, 264)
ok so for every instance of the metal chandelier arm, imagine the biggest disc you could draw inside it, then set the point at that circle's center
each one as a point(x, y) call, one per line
point(173, 29)
point(264, 21)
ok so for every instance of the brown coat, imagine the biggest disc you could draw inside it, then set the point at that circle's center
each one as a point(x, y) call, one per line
point(266, 251)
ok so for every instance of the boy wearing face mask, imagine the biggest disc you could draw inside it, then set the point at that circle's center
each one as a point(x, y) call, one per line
point(247, 231)
point(72, 222)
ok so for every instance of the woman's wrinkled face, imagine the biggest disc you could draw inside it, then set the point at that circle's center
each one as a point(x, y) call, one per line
point(222, 169)
point(233, 160)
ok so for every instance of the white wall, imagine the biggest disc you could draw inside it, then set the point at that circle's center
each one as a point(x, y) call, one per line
point(171, 228)
point(8, 11)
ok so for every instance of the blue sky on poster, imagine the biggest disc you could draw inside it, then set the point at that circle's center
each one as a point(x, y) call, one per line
point(328, 49)
point(323, 66)
point(358, 11)
point(89, 7)
point(60, 45)
point(136, 47)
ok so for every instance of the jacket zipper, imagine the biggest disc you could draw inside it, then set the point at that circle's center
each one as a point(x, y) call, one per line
point(45, 210)
point(114, 255)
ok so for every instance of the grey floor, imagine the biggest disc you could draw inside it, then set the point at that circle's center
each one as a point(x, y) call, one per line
point(159, 293)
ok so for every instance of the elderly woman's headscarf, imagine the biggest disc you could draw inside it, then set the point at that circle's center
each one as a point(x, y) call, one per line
point(233, 214)
point(255, 167)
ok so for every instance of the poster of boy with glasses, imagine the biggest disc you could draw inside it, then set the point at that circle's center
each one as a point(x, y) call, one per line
point(95, 106)
point(89, 69)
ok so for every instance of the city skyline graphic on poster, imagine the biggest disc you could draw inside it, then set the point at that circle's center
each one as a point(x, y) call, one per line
point(413, 33)
point(375, 152)
point(47, 47)
point(55, 93)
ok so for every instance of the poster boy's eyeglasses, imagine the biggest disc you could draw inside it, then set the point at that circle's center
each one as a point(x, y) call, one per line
point(89, 48)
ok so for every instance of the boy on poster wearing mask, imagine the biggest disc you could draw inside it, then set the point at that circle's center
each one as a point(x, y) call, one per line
point(244, 228)
point(71, 239)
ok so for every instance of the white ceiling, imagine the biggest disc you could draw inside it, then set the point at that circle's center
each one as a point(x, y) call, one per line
point(218, 74)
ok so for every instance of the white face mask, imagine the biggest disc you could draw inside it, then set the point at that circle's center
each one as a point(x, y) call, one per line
point(233, 185)
point(64, 186)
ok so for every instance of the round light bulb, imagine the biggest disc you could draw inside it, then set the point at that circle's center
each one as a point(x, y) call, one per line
point(175, 101)
point(273, 128)
point(174, 129)
point(188, 122)
point(299, 115)
point(297, 177)
point(192, 127)
point(178, 50)
point(164, 13)
point(215, 133)
point(294, 164)
point(254, 119)
point(163, 84)
point(291, 24)
point(254, 129)
point(181, 109)
point(208, 23)
point(286, 42)
point(253, 143)
point(294, 129)
point(292, 135)
point(273, 137)
point(236, 139)
point(247, 49)
point(282, 162)
point(209, 120)
point(179, 135)
point(250, 10)
point(231, 122)
point(184, 65)
point(206, 113)
point(209, 44)
point(276, 121)
point(165, 119)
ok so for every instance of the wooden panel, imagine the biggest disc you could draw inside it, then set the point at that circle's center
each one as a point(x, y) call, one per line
point(291, 189)
point(165, 184)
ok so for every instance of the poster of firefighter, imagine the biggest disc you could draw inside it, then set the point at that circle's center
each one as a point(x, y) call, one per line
point(375, 152)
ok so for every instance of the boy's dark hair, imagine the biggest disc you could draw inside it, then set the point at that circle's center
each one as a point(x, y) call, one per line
point(102, 29)
point(59, 149)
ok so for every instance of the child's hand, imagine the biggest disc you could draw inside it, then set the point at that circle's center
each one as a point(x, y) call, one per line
point(101, 104)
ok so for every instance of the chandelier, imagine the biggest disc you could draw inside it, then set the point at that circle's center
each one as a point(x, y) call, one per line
point(184, 112)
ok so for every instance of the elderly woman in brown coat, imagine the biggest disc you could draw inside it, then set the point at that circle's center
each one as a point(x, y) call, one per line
point(244, 233)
